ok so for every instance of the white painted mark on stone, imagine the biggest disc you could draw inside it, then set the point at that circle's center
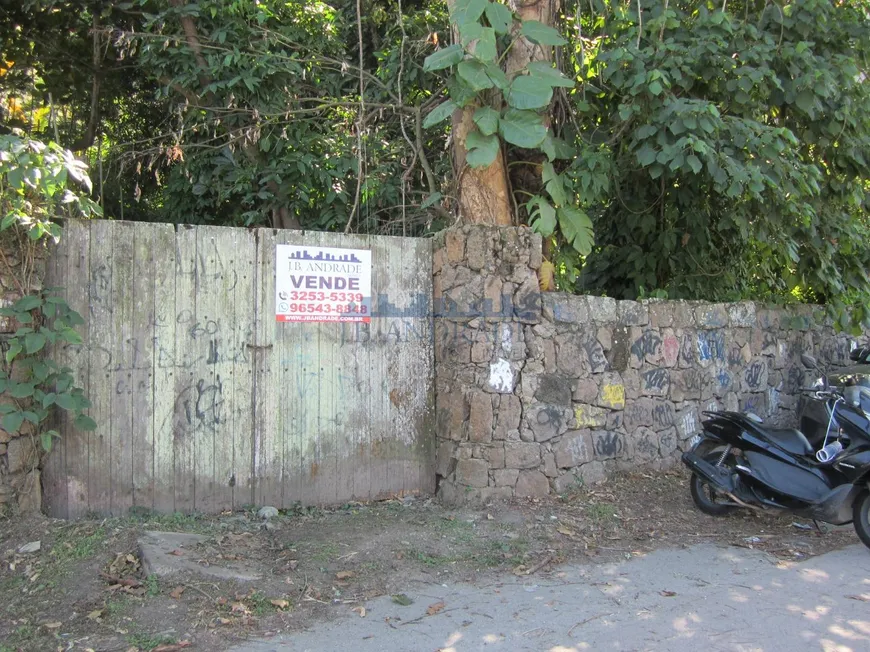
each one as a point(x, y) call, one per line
point(507, 343)
point(501, 378)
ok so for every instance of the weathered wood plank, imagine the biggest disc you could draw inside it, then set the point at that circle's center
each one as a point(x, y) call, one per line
point(165, 368)
point(141, 384)
point(100, 349)
point(77, 241)
point(288, 352)
point(267, 440)
point(243, 368)
point(184, 411)
point(54, 476)
point(121, 433)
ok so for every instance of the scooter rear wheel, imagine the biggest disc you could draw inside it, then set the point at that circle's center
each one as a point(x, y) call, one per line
point(703, 495)
point(861, 517)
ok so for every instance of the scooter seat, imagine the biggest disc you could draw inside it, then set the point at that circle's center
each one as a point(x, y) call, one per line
point(790, 440)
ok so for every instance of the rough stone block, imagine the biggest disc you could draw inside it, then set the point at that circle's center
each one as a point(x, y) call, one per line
point(494, 454)
point(593, 473)
point(548, 421)
point(612, 394)
point(655, 382)
point(473, 473)
point(767, 318)
point(570, 355)
point(619, 354)
point(608, 444)
point(645, 445)
point(661, 313)
point(711, 315)
point(755, 376)
point(568, 482)
point(602, 309)
point(574, 449)
point(508, 417)
point(29, 493)
point(21, 455)
point(554, 389)
point(670, 348)
point(522, 455)
point(586, 390)
point(632, 313)
point(454, 241)
point(505, 477)
point(532, 484)
point(668, 443)
point(480, 417)
point(565, 308)
point(604, 335)
point(549, 468)
point(535, 250)
point(477, 248)
point(445, 460)
point(742, 315)
point(589, 416)
point(527, 300)
point(687, 422)
point(502, 377)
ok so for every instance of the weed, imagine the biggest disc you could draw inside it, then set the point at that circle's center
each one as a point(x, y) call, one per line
point(601, 511)
point(74, 544)
point(149, 641)
point(152, 583)
point(260, 604)
point(458, 530)
point(115, 607)
point(430, 560)
point(325, 552)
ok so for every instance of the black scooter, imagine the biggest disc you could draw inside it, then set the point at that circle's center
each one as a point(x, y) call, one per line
point(738, 462)
point(815, 415)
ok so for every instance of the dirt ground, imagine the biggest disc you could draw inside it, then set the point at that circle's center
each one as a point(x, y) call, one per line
point(84, 588)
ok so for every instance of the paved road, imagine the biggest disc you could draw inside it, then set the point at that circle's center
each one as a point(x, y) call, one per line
point(701, 598)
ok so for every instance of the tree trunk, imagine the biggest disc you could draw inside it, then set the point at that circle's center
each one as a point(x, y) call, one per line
point(484, 193)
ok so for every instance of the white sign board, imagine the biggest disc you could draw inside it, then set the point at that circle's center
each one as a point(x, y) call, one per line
point(323, 284)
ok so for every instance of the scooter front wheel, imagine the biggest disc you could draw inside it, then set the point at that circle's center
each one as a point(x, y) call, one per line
point(703, 495)
point(861, 517)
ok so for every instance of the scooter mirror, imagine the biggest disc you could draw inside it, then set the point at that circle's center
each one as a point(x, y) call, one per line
point(809, 361)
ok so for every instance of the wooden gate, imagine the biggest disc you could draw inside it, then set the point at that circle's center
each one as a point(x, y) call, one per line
point(204, 402)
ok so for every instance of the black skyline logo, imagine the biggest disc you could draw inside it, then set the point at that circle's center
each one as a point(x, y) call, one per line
point(304, 255)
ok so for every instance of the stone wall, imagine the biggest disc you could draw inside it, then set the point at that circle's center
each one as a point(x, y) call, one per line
point(537, 392)
point(20, 486)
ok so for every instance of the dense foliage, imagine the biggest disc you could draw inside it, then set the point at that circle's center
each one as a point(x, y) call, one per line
point(725, 154)
point(719, 149)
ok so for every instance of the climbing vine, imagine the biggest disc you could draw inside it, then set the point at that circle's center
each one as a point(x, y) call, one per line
point(39, 182)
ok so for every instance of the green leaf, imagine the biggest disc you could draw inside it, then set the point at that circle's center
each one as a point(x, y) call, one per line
point(4, 383)
point(27, 303)
point(21, 390)
point(486, 119)
point(12, 422)
point(554, 184)
point(67, 401)
point(30, 416)
point(806, 101)
point(655, 87)
point(467, 11)
point(474, 73)
point(34, 342)
point(577, 229)
point(542, 216)
point(541, 34)
point(546, 72)
point(522, 128)
point(499, 16)
point(646, 155)
point(482, 149)
point(694, 163)
point(485, 49)
point(431, 200)
point(444, 58)
point(440, 113)
point(557, 148)
point(47, 441)
point(497, 75)
point(84, 422)
point(49, 399)
point(529, 93)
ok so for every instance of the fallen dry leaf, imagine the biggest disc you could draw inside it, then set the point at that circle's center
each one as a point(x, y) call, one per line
point(566, 531)
point(177, 552)
point(864, 597)
point(224, 621)
point(343, 575)
point(172, 647)
point(360, 610)
point(435, 608)
point(51, 625)
point(176, 592)
point(668, 594)
point(281, 604)
point(293, 564)
point(239, 608)
point(96, 614)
